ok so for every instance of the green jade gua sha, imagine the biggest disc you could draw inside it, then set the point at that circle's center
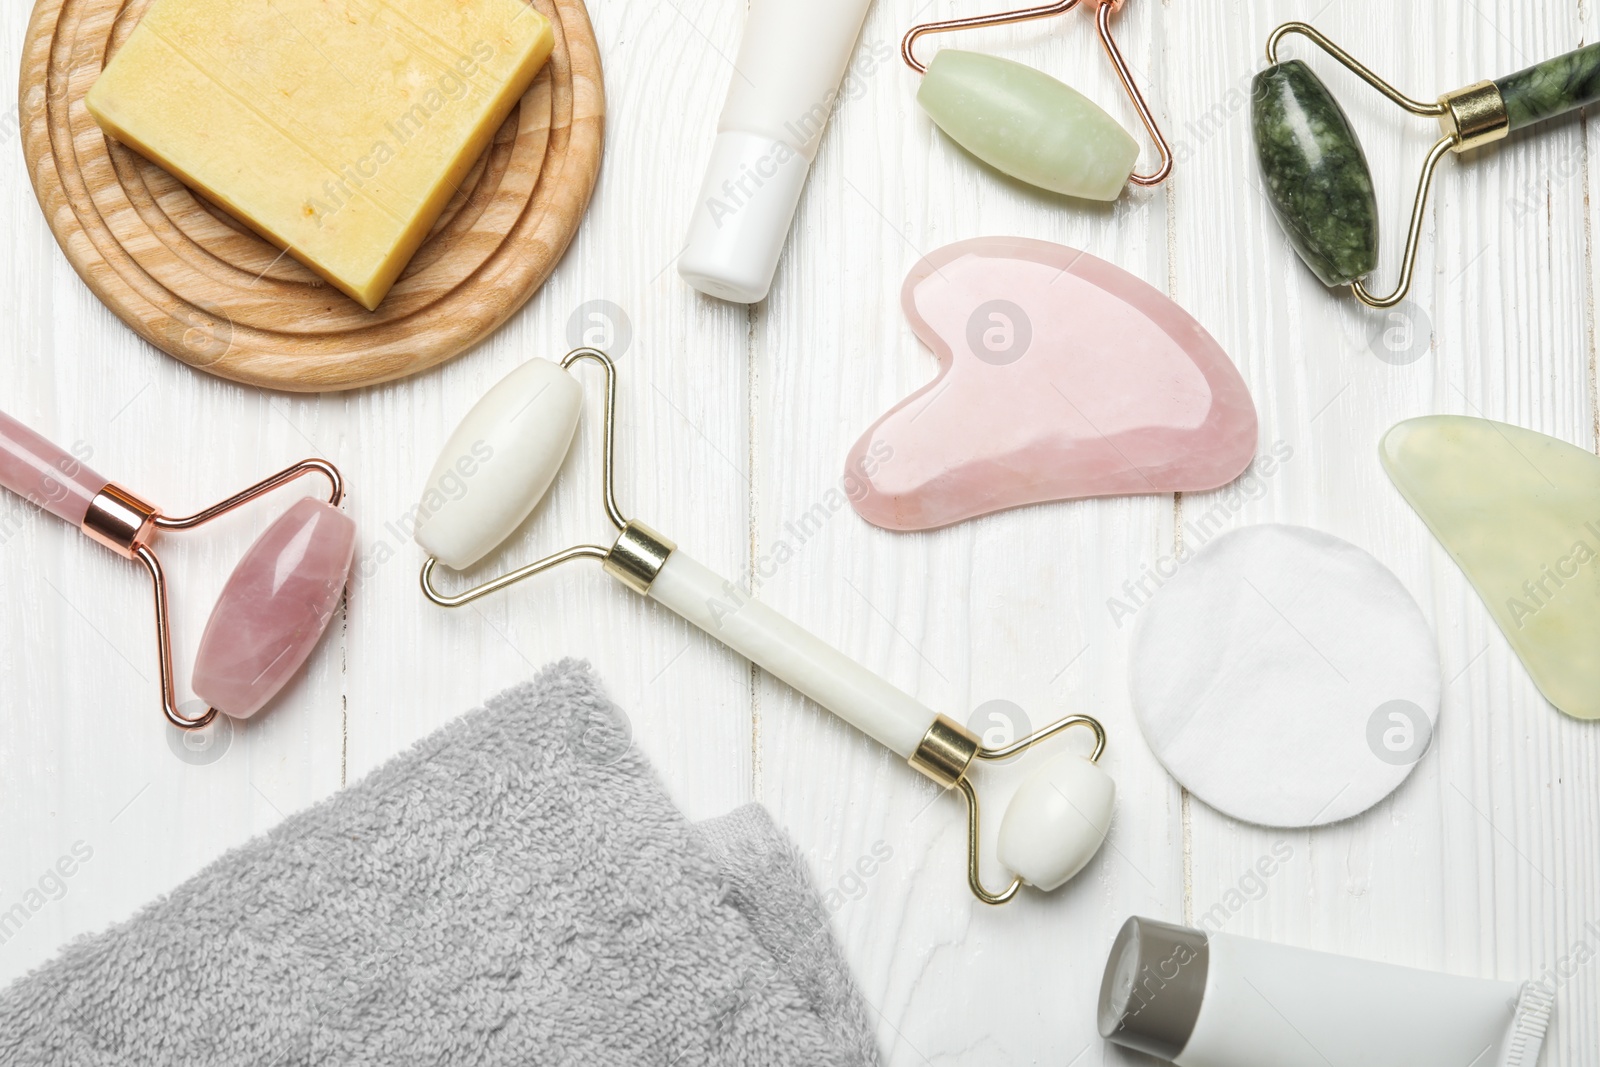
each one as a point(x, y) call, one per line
point(1316, 172)
point(1024, 123)
point(1520, 512)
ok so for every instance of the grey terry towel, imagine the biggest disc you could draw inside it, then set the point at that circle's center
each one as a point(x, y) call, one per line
point(516, 889)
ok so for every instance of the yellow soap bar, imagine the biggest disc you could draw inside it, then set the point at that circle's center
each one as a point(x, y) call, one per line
point(337, 129)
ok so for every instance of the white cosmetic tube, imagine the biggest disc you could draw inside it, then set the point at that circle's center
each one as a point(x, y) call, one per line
point(1216, 1000)
point(791, 63)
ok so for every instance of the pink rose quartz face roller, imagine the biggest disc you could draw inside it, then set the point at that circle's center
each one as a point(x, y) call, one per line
point(1060, 377)
point(1053, 825)
point(274, 607)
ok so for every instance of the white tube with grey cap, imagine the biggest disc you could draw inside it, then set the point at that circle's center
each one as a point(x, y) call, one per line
point(1215, 1000)
point(791, 63)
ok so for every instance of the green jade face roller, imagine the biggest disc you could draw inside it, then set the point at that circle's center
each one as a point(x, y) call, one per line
point(1316, 171)
point(1024, 123)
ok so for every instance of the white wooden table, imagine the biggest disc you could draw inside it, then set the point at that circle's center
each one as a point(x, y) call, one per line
point(735, 422)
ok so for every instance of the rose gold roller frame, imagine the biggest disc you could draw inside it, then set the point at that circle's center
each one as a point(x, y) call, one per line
point(126, 524)
point(1104, 9)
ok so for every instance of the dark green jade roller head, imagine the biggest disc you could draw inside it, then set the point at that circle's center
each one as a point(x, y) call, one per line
point(1316, 171)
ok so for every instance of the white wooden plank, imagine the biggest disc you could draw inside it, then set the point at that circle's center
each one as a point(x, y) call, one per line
point(1463, 869)
point(736, 421)
point(1010, 607)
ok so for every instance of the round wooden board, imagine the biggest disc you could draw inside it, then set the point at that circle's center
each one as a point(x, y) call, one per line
point(203, 287)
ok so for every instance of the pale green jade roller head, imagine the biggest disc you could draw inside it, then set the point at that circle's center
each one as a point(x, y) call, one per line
point(1317, 176)
point(507, 452)
point(1024, 123)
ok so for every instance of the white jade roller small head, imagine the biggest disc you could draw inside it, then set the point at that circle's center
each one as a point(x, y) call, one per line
point(515, 441)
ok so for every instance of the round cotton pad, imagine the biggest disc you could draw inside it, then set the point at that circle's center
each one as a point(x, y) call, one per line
point(1285, 677)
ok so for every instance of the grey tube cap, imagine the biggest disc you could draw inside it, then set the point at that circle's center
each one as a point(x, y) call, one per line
point(1153, 987)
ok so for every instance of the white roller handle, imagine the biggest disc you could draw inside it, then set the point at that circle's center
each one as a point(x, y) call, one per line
point(1054, 824)
point(789, 652)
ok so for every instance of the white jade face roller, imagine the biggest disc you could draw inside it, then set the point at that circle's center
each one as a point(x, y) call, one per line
point(525, 426)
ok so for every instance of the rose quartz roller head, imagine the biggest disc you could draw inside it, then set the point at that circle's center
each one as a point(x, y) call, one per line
point(513, 443)
point(273, 609)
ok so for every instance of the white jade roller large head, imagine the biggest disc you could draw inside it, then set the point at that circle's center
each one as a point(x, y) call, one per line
point(513, 443)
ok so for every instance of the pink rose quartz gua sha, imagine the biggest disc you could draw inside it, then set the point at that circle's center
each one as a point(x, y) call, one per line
point(1060, 377)
point(272, 611)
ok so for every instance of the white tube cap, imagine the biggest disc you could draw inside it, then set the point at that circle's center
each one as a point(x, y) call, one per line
point(742, 218)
